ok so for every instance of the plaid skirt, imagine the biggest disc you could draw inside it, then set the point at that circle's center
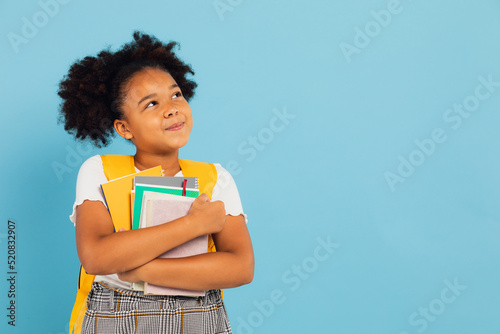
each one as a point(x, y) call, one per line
point(124, 311)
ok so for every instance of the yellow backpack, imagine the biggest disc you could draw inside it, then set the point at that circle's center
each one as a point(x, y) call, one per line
point(116, 166)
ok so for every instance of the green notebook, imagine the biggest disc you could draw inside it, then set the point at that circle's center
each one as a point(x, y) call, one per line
point(161, 184)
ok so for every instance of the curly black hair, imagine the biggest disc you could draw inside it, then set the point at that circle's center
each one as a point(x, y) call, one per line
point(94, 89)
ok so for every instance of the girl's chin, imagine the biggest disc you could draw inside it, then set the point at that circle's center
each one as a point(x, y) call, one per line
point(177, 144)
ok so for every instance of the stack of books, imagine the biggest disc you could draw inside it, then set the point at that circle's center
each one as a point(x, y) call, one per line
point(146, 199)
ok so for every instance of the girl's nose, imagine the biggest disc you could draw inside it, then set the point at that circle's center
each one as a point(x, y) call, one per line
point(171, 113)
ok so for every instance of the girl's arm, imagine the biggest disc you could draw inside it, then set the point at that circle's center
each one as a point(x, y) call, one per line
point(102, 251)
point(231, 266)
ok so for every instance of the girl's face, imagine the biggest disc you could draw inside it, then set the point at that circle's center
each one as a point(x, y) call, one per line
point(157, 118)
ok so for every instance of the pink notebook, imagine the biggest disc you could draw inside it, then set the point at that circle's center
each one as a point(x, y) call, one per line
point(160, 211)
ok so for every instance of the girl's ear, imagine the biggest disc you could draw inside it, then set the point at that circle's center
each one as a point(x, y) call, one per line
point(121, 127)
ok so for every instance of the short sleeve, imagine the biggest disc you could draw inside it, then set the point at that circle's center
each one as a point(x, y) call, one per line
point(225, 190)
point(88, 183)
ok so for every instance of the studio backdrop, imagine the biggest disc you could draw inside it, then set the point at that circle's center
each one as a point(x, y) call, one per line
point(363, 137)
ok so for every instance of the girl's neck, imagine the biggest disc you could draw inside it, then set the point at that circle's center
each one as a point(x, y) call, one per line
point(169, 162)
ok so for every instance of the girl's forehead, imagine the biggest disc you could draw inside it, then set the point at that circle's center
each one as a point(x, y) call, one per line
point(151, 75)
point(149, 80)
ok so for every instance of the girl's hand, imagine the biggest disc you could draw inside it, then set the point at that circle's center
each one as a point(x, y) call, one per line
point(209, 216)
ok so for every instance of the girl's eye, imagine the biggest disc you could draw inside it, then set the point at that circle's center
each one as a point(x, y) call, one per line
point(178, 94)
point(151, 104)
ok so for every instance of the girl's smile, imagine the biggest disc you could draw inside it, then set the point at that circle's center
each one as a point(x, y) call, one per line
point(175, 127)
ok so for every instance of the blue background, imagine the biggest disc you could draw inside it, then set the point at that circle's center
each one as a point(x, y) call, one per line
point(321, 177)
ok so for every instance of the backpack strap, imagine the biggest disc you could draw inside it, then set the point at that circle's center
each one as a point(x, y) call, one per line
point(207, 177)
point(84, 284)
point(116, 166)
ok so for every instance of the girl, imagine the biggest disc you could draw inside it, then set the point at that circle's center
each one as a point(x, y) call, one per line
point(141, 92)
